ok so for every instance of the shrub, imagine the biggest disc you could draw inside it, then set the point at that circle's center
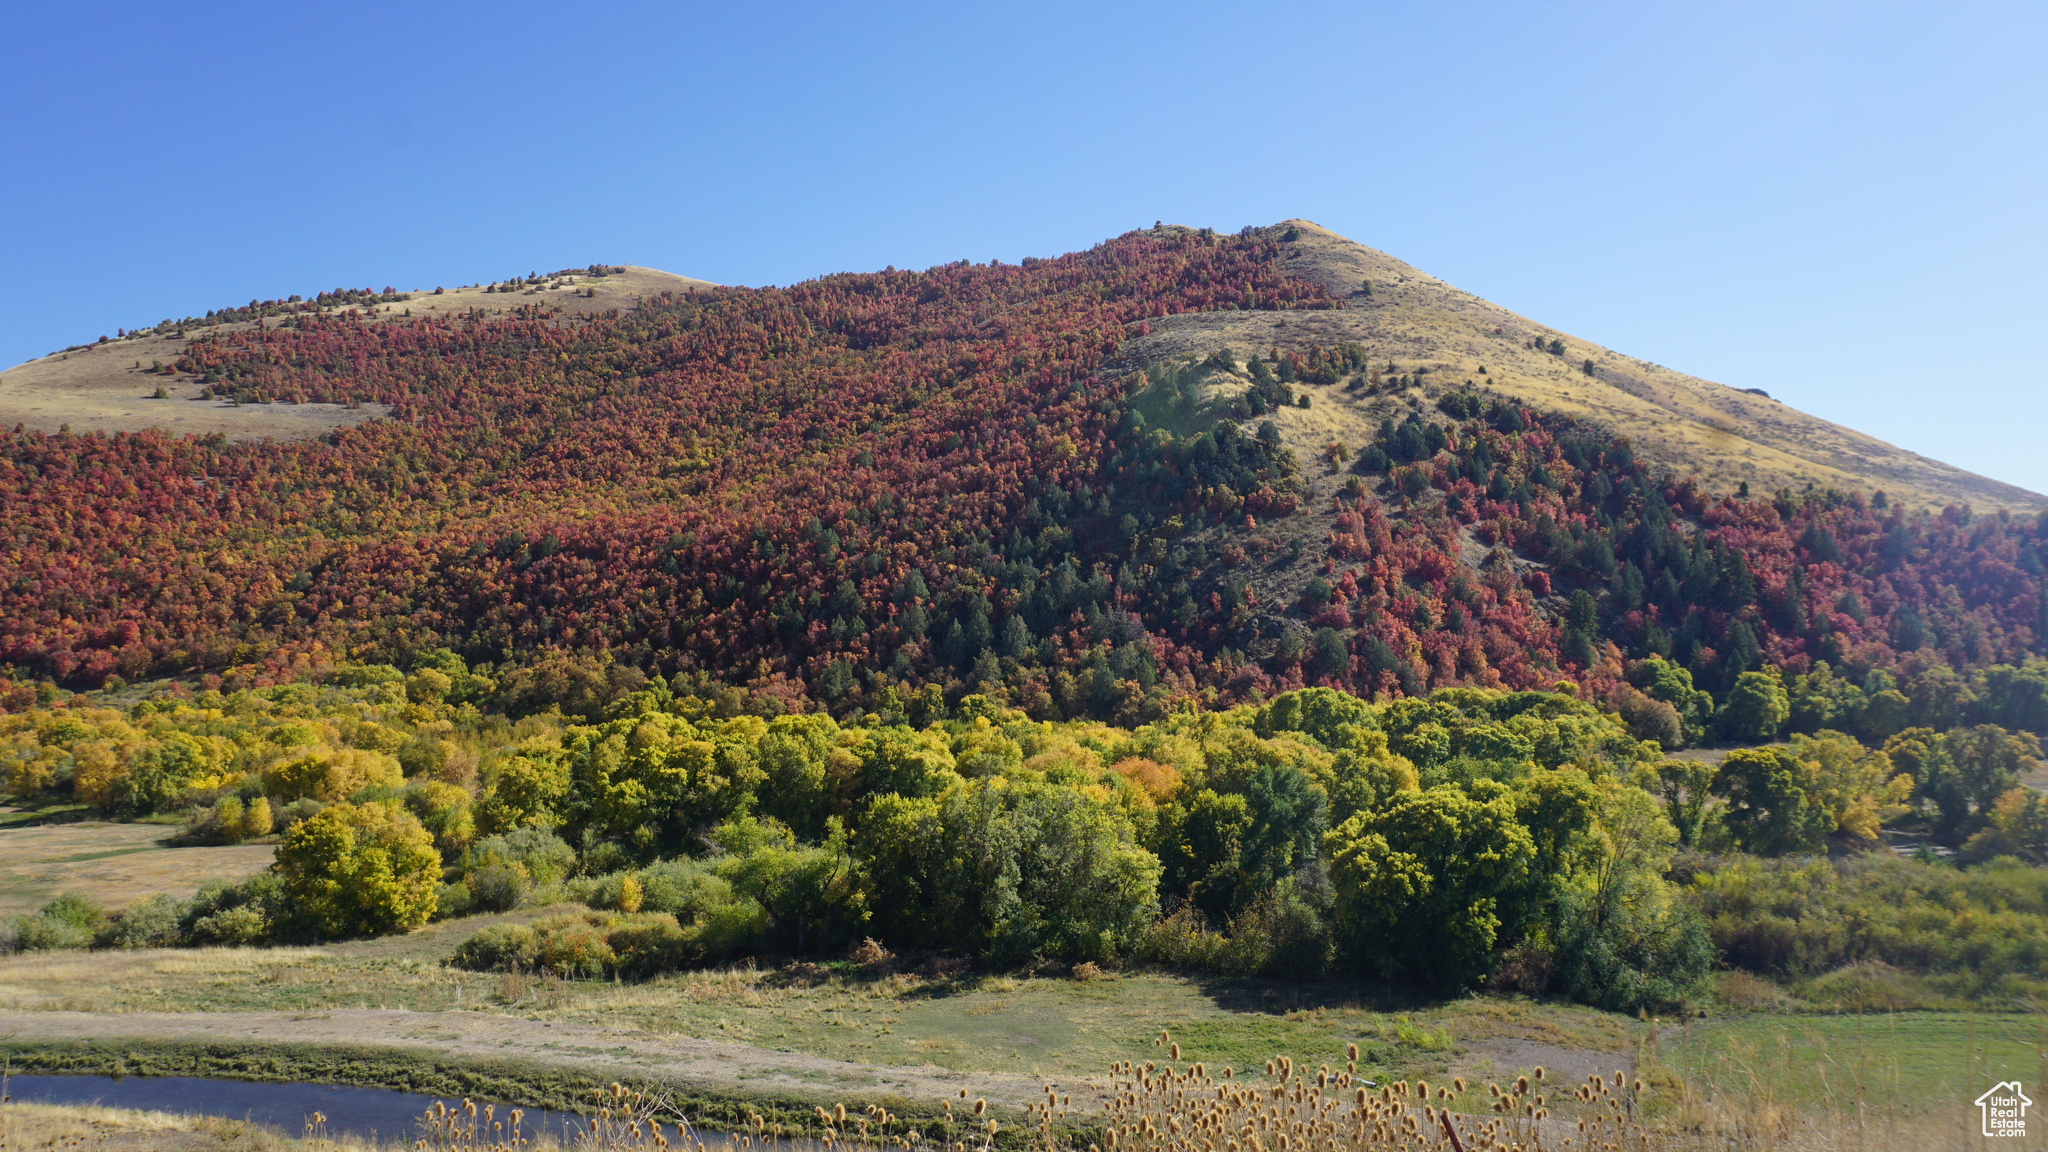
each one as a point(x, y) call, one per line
point(499, 948)
point(151, 922)
point(1283, 934)
point(69, 921)
point(1798, 917)
point(223, 912)
point(77, 910)
point(1182, 940)
point(498, 886)
point(1627, 955)
point(685, 889)
point(454, 901)
point(241, 926)
point(544, 856)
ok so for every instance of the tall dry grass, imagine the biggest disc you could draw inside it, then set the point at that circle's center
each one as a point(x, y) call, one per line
point(1174, 1107)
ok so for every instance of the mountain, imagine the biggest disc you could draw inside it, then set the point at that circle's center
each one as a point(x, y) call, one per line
point(109, 386)
point(1722, 435)
point(1173, 468)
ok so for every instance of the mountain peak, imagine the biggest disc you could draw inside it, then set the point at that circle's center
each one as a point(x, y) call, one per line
point(1445, 337)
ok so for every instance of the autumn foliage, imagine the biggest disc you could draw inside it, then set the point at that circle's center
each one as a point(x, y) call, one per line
point(847, 490)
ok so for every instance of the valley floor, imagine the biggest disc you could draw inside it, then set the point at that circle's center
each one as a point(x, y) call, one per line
point(812, 1034)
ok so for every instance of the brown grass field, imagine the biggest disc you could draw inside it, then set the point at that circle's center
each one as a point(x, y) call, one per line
point(113, 864)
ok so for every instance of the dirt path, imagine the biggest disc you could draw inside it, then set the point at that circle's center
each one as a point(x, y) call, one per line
point(623, 1053)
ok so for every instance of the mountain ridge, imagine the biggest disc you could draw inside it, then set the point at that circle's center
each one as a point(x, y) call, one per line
point(88, 388)
point(1722, 435)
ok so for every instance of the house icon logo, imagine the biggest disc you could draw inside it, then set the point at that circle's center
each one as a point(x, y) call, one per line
point(2005, 1110)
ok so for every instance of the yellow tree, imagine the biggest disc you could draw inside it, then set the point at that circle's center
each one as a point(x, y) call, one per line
point(359, 870)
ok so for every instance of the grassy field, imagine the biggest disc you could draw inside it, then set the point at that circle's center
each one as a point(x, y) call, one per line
point(1013, 1023)
point(113, 864)
point(1019, 1024)
point(1914, 1062)
point(1912, 1072)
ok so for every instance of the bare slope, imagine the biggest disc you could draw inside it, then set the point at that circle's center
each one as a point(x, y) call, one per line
point(1695, 427)
point(110, 388)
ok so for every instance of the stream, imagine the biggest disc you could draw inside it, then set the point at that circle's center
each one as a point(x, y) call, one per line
point(367, 1113)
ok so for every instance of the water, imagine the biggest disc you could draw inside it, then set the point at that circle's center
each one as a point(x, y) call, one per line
point(362, 1112)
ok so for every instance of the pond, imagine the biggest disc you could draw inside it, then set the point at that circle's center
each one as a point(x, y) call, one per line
point(366, 1113)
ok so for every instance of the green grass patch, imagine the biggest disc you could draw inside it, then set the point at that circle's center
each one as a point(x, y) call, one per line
point(1909, 1060)
point(34, 813)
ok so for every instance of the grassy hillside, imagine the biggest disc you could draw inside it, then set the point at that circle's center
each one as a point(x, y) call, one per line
point(112, 386)
point(1720, 434)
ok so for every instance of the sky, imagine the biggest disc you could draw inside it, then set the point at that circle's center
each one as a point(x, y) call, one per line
point(1839, 203)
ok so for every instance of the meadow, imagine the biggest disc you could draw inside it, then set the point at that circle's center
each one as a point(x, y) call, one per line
point(110, 864)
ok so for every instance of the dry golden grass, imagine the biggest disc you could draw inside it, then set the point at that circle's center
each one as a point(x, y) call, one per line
point(108, 387)
point(113, 864)
point(1173, 1106)
point(1695, 427)
point(54, 1126)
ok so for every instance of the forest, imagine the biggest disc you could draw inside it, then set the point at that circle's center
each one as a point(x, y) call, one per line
point(1473, 837)
point(897, 606)
point(862, 485)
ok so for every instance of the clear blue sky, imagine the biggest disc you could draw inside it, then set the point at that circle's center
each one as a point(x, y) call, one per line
point(1839, 203)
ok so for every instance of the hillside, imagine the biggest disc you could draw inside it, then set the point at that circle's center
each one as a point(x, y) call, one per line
point(1719, 434)
point(867, 488)
point(742, 665)
point(111, 386)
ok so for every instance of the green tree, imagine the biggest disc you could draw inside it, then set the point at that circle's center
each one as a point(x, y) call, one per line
point(1672, 683)
point(1686, 786)
point(1329, 653)
point(527, 789)
point(1008, 870)
point(810, 892)
point(1961, 773)
point(1418, 883)
point(359, 870)
point(161, 772)
point(1770, 811)
point(1756, 708)
point(793, 756)
point(1222, 851)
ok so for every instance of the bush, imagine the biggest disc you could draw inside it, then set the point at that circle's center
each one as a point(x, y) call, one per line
point(1182, 940)
point(600, 943)
point(685, 889)
point(544, 856)
point(233, 914)
point(151, 922)
point(499, 948)
point(498, 886)
point(455, 901)
point(76, 910)
point(243, 926)
point(1629, 955)
point(1283, 934)
point(1804, 917)
point(43, 933)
